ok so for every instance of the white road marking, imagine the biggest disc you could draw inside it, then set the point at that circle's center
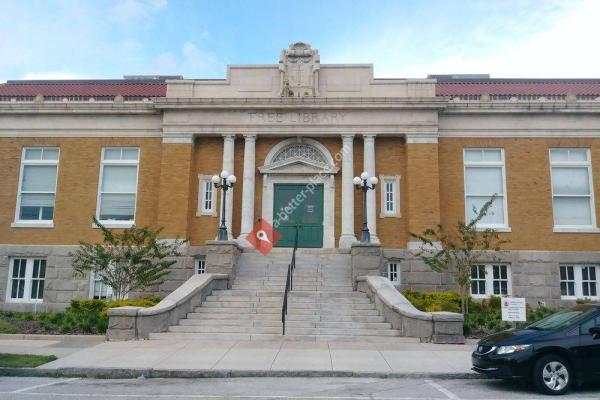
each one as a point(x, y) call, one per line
point(44, 385)
point(213, 396)
point(442, 389)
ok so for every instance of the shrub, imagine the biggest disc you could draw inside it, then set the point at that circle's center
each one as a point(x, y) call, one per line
point(484, 316)
point(82, 316)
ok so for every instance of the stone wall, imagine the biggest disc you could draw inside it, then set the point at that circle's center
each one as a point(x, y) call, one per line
point(61, 286)
point(533, 274)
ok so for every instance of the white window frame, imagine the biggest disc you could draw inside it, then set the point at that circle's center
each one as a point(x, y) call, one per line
point(395, 181)
point(574, 164)
point(28, 280)
point(200, 266)
point(103, 163)
point(577, 272)
point(93, 282)
point(389, 271)
point(42, 223)
point(505, 227)
point(489, 281)
point(202, 210)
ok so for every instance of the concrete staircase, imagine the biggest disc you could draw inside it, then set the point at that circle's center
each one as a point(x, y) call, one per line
point(322, 305)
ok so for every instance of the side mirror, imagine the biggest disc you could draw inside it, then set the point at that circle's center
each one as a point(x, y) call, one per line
point(595, 332)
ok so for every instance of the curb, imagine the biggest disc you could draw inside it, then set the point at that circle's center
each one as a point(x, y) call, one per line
point(40, 336)
point(125, 373)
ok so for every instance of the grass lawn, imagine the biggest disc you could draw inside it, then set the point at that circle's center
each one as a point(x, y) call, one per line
point(23, 360)
point(6, 327)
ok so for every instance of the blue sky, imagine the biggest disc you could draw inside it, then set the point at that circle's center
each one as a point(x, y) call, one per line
point(47, 39)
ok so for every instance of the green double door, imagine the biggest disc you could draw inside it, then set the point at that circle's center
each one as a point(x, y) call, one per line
point(299, 205)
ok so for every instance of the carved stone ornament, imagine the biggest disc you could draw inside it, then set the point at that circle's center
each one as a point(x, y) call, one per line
point(299, 71)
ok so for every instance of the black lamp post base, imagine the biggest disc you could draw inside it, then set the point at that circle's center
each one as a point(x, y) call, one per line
point(365, 235)
point(223, 233)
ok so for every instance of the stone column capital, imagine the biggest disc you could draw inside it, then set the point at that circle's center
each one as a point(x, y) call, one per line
point(228, 137)
point(348, 137)
point(369, 136)
point(249, 137)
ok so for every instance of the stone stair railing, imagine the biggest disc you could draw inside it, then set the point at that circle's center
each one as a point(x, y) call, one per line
point(436, 327)
point(129, 323)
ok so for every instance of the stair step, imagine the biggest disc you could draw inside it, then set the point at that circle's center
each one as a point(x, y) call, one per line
point(335, 318)
point(242, 304)
point(249, 299)
point(240, 310)
point(224, 329)
point(321, 311)
point(338, 325)
point(221, 316)
point(230, 293)
point(328, 300)
point(232, 322)
point(342, 332)
point(278, 337)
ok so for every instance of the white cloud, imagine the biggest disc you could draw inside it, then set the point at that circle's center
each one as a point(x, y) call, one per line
point(563, 49)
point(52, 75)
point(192, 62)
point(127, 10)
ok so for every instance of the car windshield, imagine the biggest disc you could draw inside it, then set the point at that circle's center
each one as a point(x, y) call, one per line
point(563, 319)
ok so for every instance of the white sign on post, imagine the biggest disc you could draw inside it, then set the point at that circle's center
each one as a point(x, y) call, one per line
point(513, 309)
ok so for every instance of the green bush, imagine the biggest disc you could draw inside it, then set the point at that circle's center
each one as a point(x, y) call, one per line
point(484, 316)
point(82, 316)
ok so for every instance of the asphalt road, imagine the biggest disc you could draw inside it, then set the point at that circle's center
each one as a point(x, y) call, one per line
point(274, 388)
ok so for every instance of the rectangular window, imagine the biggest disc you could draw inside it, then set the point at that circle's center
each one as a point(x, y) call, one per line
point(37, 186)
point(27, 277)
point(118, 185)
point(390, 196)
point(579, 281)
point(206, 196)
point(393, 272)
point(99, 290)
point(572, 194)
point(490, 279)
point(201, 266)
point(485, 176)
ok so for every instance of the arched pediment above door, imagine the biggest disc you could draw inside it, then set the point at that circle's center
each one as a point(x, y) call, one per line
point(299, 156)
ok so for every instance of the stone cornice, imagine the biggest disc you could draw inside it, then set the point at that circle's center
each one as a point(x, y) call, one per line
point(522, 107)
point(302, 103)
point(72, 107)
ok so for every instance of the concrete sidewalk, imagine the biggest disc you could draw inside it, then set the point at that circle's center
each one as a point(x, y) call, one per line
point(45, 345)
point(269, 358)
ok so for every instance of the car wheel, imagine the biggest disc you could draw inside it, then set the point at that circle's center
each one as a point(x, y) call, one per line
point(552, 375)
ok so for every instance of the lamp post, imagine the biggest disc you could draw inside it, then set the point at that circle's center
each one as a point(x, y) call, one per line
point(365, 183)
point(225, 181)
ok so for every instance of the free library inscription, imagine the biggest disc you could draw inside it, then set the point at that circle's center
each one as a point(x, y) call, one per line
point(301, 117)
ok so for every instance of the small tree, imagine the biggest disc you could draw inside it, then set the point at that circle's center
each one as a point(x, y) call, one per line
point(461, 251)
point(132, 259)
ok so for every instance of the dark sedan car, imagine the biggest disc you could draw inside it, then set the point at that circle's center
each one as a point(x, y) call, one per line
point(553, 352)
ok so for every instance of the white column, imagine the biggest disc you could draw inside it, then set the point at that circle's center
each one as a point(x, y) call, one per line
point(228, 156)
point(347, 236)
point(248, 190)
point(369, 166)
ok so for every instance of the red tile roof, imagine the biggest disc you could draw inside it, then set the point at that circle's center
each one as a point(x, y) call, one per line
point(85, 88)
point(518, 87)
point(466, 88)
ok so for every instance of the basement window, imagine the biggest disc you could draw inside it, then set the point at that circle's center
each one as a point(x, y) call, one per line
point(579, 282)
point(490, 280)
point(200, 266)
point(393, 272)
point(26, 280)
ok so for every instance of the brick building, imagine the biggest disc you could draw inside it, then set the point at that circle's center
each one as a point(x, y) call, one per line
point(142, 150)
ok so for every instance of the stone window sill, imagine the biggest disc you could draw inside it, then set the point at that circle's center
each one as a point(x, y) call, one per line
point(32, 224)
point(576, 230)
point(500, 229)
point(115, 224)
